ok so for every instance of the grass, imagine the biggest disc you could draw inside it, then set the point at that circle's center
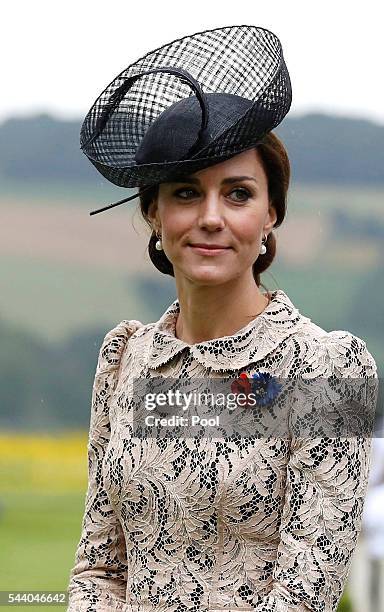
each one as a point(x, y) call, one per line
point(302, 197)
point(359, 199)
point(43, 482)
point(54, 298)
point(39, 533)
point(59, 193)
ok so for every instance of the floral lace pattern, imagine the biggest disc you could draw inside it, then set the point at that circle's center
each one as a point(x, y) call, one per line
point(200, 525)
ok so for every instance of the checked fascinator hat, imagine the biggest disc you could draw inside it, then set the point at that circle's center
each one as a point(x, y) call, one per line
point(187, 105)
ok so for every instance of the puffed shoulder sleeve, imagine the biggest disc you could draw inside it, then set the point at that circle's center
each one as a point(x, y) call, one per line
point(326, 484)
point(98, 579)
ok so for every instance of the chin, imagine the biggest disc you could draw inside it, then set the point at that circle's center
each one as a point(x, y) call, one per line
point(207, 276)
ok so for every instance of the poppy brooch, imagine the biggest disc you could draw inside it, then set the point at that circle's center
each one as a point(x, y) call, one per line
point(262, 385)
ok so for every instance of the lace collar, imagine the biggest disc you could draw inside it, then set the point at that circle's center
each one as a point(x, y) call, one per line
point(259, 337)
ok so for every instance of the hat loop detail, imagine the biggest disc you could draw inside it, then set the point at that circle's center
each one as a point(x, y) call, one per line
point(120, 92)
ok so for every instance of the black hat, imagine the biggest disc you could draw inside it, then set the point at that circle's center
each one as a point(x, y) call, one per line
point(190, 104)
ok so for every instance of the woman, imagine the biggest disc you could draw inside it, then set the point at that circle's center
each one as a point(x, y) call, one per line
point(264, 522)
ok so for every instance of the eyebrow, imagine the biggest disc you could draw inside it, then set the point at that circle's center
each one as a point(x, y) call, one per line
point(195, 181)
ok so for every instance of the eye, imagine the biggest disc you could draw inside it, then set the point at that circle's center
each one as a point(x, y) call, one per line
point(240, 194)
point(185, 193)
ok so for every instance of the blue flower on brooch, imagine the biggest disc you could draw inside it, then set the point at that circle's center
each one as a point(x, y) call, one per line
point(265, 387)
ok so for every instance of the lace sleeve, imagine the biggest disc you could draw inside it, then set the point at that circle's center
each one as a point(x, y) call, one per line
point(98, 579)
point(325, 492)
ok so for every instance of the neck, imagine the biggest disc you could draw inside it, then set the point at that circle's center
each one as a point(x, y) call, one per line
point(208, 312)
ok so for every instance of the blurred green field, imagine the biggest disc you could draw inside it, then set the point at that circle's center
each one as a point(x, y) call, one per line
point(59, 193)
point(39, 533)
point(43, 485)
point(358, 199)
point(303, 197)
point(55, 299)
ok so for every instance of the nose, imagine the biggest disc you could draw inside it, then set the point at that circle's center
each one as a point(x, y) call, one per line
point(211, 212)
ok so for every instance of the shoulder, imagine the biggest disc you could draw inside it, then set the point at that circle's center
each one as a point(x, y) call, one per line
point(350, 353)
point(115, 342)
point(339, 351)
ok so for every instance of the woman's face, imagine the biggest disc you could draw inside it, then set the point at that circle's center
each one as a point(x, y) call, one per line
point(225, 206)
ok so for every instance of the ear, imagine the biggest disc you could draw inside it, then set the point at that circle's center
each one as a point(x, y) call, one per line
point(153, 214)
point(271, 219)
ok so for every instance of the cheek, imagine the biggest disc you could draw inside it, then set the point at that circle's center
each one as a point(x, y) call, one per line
point(175, 223)
point(247, 228)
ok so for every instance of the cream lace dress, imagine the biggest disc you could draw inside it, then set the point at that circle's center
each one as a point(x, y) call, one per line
point(184, 524)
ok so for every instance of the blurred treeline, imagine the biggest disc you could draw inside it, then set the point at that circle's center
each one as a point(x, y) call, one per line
point(45, 383)
point(322, 149)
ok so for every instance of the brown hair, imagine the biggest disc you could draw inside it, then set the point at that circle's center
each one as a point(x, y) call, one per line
point(276, 165)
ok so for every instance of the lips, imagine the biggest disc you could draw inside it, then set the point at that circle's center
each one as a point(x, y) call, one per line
point(209, 250)
point(201, 245)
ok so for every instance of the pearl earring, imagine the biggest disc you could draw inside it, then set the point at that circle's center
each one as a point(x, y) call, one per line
point(263, 248)
point(158, 245)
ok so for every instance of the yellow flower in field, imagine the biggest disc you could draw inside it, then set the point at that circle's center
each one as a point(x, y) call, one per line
point(44, 462)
